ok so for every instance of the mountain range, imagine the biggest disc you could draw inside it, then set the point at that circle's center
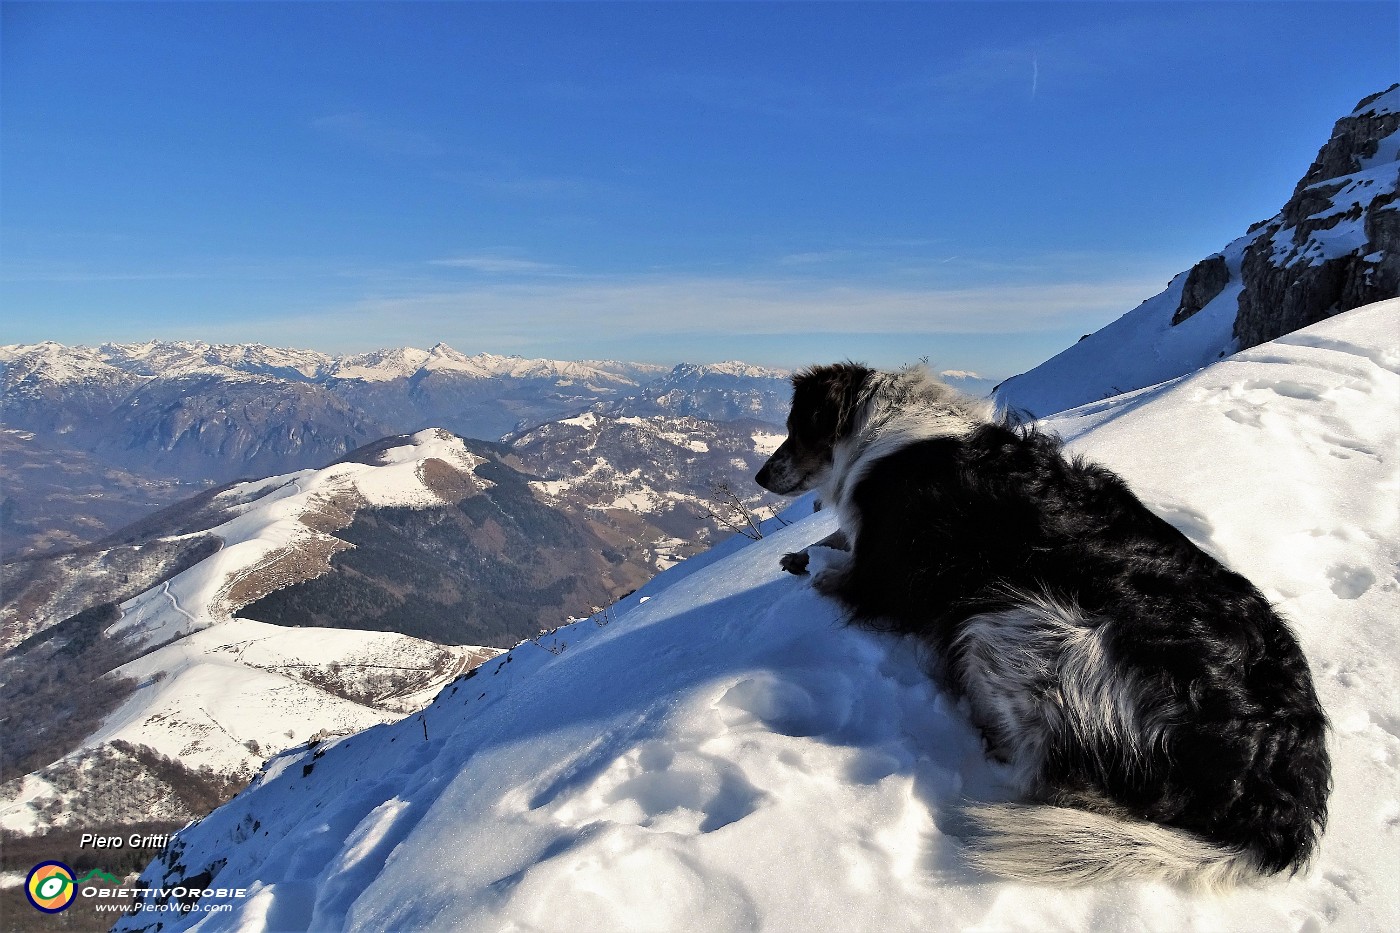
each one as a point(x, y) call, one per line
point(141, 425)
point(721, 752)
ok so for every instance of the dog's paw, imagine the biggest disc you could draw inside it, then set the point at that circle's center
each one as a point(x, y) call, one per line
point(829, 581)
point(830, 569)
point(795, 563)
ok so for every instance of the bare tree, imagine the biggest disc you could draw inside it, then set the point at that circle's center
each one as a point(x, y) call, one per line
point(730, 511)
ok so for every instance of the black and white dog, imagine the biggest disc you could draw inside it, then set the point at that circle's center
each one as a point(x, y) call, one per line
point(1157, 714)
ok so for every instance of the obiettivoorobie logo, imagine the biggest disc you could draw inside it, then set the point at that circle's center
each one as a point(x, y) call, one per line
point(50, 887)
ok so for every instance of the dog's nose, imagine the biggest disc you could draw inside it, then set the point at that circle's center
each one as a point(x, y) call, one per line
point(762, 477)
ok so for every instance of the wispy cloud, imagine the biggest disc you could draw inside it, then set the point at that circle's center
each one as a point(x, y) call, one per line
point(496, 265)
point(378, 135)
point(509, 315)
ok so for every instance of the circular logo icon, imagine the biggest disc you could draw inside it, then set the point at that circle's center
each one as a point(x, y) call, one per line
point(50, 887)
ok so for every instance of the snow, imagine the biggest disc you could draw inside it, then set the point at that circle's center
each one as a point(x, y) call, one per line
point(765, 442)
point(680, 439)
point(210, 683)
point(1141, 348)
point(1353, 193)
point(720, 752)
point(586, 420)
point(380, 365)
point(737, 368)
point(1386, 102)
point(401, 363)
point(53, 362)
point(62, 364)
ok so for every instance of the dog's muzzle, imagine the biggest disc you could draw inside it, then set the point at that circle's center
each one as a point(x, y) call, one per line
point(779, 474)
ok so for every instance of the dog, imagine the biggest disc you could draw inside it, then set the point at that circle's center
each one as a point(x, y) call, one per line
point(1157, 715)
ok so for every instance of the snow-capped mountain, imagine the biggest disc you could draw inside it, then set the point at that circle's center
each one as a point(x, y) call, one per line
point(184, 357)
point(718, 751)
point(678, 483)
point(713, 392)
point(967, 381)
point(155, 358)
point(407, 362)
point(213, 412)
point(182, 670)
point(464, 547)
point(1334, 246)
point(181, 416)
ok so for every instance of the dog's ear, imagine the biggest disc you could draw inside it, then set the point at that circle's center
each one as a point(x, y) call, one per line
point(830, 396)
point(847, 389)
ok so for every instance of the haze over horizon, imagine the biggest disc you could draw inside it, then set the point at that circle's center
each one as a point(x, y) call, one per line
point(976, 183)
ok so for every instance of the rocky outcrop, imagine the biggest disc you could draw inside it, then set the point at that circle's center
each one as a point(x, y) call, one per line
point(1355, 139)
point(1204, 282)
point(1333, 247)
point(1336, 243)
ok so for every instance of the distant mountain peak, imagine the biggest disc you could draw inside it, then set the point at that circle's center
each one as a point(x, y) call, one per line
point(728, 368)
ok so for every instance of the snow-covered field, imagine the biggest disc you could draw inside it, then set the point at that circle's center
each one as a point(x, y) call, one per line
point(719, 752)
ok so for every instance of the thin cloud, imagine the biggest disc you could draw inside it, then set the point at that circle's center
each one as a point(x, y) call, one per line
point(663, 307)
point(377, 135)
point(496, 265)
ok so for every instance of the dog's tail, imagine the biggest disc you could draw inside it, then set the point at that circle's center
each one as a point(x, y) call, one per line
point(1065, 846)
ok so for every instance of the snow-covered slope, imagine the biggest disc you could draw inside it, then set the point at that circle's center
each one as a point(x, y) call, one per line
point(1139, 349)
point(719, 752)
point(223, 692)
point(1335, 245)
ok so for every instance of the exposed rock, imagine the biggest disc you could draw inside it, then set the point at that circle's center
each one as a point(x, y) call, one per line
point(1336, 243)
point(1355, 139)
point(1333, 247)
point(1206, 280)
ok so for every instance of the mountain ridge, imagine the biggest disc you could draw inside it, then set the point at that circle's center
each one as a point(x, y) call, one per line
point(178, 416)
point(1333, 246)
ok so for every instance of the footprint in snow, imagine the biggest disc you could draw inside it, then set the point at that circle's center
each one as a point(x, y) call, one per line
point(1350, 582)
point(1288, 388)
point(787, 706)
point(1190, 522)
point(659, 786)
point(1248, 416)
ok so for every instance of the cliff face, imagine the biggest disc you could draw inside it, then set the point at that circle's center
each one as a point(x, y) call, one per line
point(1336, 243)
point(1333, 247)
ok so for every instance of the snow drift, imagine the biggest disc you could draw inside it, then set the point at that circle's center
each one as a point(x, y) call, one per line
point(720, 752)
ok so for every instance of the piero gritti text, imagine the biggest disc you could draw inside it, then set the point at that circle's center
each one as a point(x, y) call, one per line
point(133, 841)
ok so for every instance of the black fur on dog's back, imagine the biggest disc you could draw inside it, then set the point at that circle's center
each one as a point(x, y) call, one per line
point(953, 528)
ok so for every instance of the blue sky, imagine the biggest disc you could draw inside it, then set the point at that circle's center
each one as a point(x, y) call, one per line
point(977, 183)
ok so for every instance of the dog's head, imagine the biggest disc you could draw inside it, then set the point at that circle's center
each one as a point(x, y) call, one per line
point(825, 403)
